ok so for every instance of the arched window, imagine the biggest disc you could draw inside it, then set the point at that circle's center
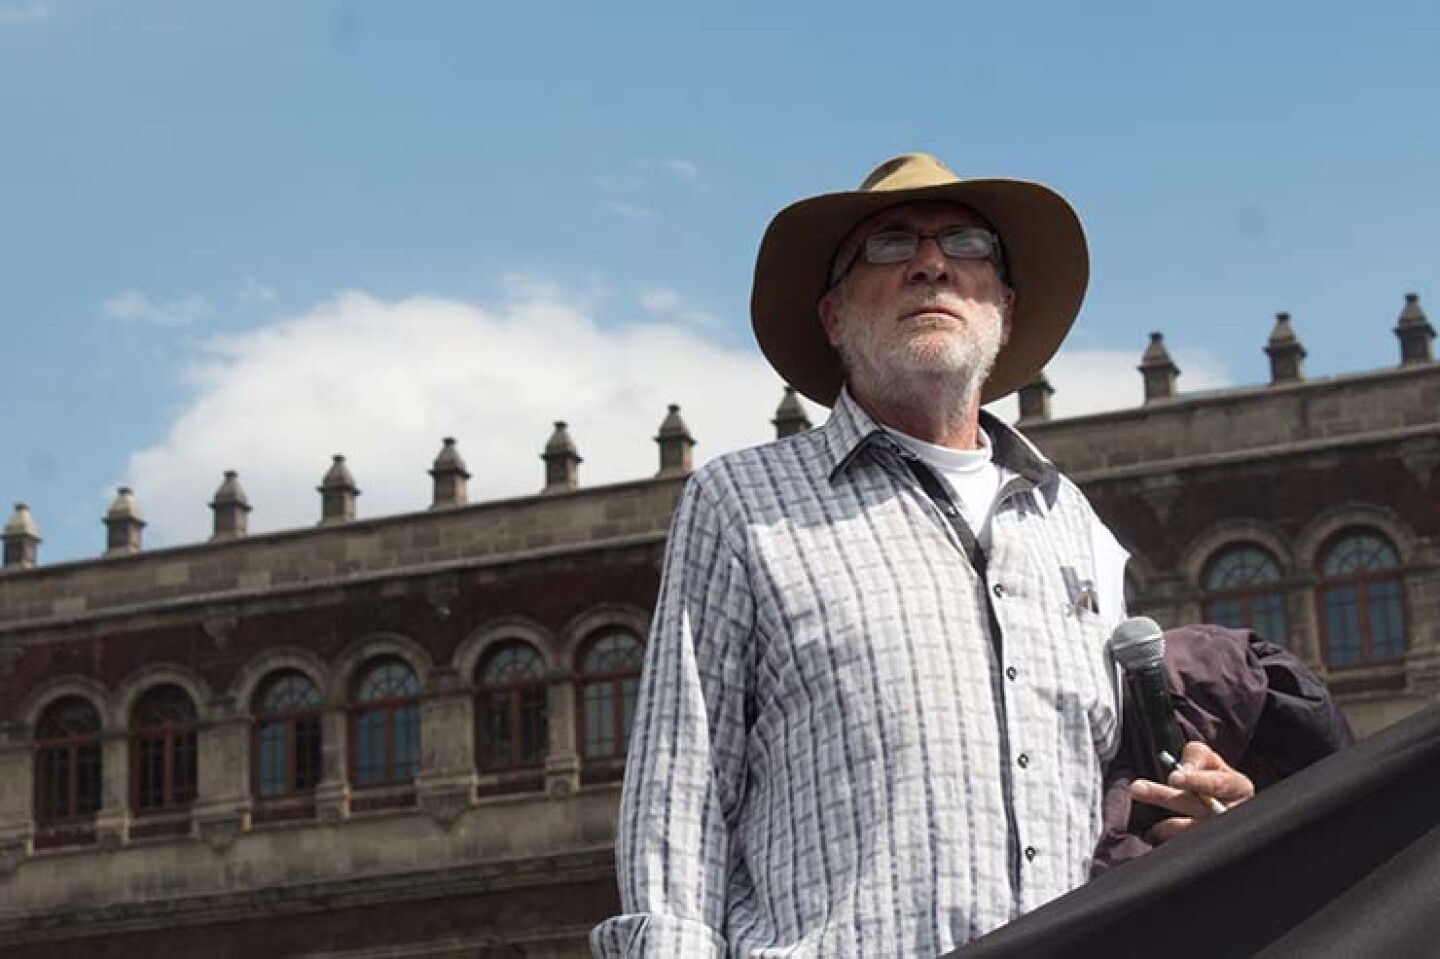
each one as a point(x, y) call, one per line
point(385, 724)
point(1242, 589)
point(609, 683)
point(67, 760)
point(510, 710)
point(1362, 600)
point(287, 735)
point(162, 750)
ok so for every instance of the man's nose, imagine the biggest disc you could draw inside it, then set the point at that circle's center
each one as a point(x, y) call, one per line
point(929, 264)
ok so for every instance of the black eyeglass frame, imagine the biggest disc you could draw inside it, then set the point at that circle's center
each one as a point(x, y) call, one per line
point(995, 253)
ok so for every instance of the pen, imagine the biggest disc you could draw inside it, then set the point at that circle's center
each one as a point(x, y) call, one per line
point(1168, 761)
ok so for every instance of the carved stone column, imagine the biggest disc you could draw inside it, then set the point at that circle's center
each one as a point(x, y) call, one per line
point(112, 822)
point(446, 784)
point(222, 808)
point(332, 793)
point(17, 790)
point(562, 763)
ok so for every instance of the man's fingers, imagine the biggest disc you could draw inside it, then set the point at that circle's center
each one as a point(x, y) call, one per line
point(1168, 797)
point(1226, 785)
point(1167, 829)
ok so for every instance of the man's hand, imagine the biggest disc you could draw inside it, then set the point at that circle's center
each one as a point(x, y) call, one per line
point(1202, 773)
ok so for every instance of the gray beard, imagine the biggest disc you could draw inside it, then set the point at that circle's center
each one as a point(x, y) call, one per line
point(900, 379)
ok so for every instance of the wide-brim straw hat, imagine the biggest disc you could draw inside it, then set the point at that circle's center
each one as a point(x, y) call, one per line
point(1046, 260)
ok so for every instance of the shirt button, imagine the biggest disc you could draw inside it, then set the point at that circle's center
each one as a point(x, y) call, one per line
point(1030, 854)
point(998, 589)
point(1023, 760)
point(1011, 672)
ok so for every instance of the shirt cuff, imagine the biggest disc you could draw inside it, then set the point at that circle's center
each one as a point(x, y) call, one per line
point(643, 935)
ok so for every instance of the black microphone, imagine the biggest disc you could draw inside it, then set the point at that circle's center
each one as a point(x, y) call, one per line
point(1139, 647)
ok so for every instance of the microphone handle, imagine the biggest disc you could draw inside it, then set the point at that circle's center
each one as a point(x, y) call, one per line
point(1151, 693)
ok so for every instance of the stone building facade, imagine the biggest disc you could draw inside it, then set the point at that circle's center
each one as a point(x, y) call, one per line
point(403, 736)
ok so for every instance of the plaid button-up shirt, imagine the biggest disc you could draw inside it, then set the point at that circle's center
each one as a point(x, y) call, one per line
point(859, 733)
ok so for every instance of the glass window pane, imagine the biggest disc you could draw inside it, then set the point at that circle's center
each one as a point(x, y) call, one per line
point(533, 725)
point(68, 718)
point(287, 692)
point(407, 743)
point(307, 752)
point(599, 721)
point(497, 732)
point(185, 768)
point(274, 759)
point(1387, 640)
point(614, 653)
point(162, 706)
point(1269, 617)
point(55, 782)
point(388, 679)
point(512, 663)
point(1225, 612)
point(88, 782)
point(1342, 626)
point(369, 748)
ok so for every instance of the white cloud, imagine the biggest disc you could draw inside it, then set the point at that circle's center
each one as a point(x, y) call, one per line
point(619, 182)
point(136, 308)
point(680, 167)
point(25, 11)
point(1093, 381)
point(254, 293)
point(633, 184)
point(630, 211)
point(382, 381)
point(672, 305)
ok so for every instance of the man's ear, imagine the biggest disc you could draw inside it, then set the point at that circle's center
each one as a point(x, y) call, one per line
point(1007, 311)
point(828, 314)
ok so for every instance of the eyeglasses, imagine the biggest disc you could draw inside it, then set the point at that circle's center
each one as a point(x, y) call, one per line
point(900, 246)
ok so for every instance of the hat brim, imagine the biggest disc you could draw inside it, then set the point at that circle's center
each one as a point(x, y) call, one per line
point(1045, 255)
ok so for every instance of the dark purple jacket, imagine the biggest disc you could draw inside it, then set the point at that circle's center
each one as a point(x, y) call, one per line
point(1256, 704)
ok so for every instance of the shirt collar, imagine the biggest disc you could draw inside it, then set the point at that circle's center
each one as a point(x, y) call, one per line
point(850, 432)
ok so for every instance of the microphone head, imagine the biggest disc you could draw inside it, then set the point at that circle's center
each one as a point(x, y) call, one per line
point(1138, 643)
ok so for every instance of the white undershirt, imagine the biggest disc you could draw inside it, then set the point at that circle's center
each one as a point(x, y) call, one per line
point(973, 475)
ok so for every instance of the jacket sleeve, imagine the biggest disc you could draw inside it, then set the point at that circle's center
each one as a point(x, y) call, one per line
point(685, 767)
point(1256, 704)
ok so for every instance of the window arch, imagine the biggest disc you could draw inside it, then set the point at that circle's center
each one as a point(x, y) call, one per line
point(385, 724)
point(609, 681)
point(68, 763)
point(1242, 589)
point(286, 742)
point(1362, 600)
point(162, 750)
point(511, 726)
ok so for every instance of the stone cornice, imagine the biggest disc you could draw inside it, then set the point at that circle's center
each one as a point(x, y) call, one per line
point(578, 865)
point(1267, 454)
point(181, 605)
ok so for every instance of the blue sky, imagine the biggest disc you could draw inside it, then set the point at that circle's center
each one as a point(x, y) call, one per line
point(253, 235)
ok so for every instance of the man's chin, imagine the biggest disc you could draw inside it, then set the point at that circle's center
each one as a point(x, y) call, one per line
point(920, 378)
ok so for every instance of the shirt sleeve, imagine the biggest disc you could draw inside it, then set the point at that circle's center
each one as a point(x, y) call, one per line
point(1110, 560)
point(685, 767)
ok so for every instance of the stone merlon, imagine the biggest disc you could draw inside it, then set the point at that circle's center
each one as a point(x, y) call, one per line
point(337, 494)
point(675, 444)
point(22, 539)
point(790, 415)
point(562, 461)
point(123, 524)
point(450, 475)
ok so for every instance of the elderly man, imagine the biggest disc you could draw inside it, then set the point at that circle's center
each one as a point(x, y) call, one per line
point(877, 708)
